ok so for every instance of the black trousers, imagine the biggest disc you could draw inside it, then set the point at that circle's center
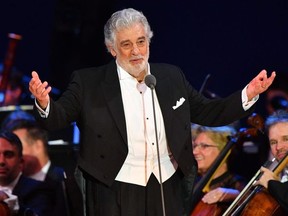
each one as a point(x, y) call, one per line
point(123, 199)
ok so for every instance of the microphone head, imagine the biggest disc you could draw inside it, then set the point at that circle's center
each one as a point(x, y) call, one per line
point(150, 81)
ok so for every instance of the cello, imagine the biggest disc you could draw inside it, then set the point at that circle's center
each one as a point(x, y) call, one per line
point(255, 200)
point(199, 208)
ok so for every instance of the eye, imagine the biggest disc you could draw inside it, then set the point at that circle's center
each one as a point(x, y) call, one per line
point(285, 138)
point(126, 45)
point(9, 154)
point(141, 43)
point(204, 146)
point(273, 142)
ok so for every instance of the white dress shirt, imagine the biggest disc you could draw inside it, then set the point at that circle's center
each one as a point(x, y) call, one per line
point(41, 175)
point(12, 200)
point(142, 159)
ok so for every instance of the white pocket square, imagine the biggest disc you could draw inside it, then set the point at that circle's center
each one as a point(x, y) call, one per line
point(179, 103)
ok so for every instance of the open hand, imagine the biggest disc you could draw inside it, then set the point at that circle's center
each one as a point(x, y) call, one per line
point(40, 90)
point(259, 84)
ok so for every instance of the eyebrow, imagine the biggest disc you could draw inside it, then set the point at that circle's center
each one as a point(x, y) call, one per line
point(125, 41)
point(7, 151)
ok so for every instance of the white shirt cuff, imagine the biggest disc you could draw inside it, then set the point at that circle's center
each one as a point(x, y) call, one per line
point(43, 113)
point(245, 103)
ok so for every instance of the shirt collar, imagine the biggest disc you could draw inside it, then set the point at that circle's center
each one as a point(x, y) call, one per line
point(45, 168)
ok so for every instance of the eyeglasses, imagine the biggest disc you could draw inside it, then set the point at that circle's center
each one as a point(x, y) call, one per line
point(202, 146)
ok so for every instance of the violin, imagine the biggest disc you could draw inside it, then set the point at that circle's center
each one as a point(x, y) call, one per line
point(199, 208)
point(256, 200)
point(4, 209)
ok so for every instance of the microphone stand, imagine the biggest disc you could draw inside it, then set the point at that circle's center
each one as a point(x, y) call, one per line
point(204, 83)
point(158, 154)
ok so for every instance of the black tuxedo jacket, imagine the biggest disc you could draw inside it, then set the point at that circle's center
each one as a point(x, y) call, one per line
point(93, 99)
point(33, 196)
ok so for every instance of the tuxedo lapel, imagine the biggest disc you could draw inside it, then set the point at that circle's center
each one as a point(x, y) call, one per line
point(164, 95)
point(112, 94)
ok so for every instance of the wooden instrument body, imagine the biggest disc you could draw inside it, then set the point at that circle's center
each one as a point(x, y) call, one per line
point(263, 204)
point(256, 200)
point(4, 209)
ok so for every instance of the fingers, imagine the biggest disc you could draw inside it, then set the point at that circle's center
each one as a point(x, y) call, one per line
point(271, 78)
point(35, 75)
point(39, 89)
point(265, 80)
point(213, 196)
point(263, 169)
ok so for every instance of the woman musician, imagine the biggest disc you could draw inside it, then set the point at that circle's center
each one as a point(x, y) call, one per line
point(207, 144)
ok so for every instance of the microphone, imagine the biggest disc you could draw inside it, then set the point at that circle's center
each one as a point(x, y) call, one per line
point(150, 81)
point(203, 90)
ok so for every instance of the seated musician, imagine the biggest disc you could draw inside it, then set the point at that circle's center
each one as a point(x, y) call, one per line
point(277, 130)
point(15, 92)
point(207, 144)
point(38, 164)
point(24, 196)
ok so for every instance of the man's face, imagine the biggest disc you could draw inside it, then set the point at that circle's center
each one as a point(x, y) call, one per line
point(205, 156)
point(10, 162)
point(132, 50)
point(30, 153)
point(278, 139)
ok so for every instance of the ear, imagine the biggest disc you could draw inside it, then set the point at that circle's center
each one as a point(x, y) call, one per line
point(112, 51)
point(38, 145)
point(21, 165)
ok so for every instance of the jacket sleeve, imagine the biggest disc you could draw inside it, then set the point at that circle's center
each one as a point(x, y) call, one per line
point(279, 191)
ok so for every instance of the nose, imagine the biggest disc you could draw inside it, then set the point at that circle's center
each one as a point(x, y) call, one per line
point(195, 150)
point(2, 159)
point(279, 145)
point(135, 50)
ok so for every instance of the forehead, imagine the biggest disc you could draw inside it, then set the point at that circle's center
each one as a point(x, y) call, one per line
point(203, 137)
point(21, 132)
point(6, 145)
point(131, 33)
point(278, 130)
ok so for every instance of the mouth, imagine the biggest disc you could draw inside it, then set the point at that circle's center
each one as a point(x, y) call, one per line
point(281, 156)
point(3, 171)
point(136, 61)
point(198, 158)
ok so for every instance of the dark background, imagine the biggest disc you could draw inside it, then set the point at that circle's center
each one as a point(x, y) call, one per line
point(230, 40)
